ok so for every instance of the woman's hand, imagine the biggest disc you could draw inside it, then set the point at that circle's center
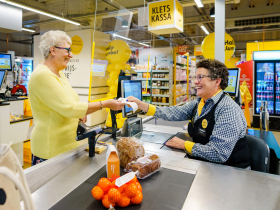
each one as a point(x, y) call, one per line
point(113, 104)
point(141, 105)
point(84, 120)
point(176, 143)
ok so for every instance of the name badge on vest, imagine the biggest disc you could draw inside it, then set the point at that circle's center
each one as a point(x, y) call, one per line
point(202, 132)
point(204, 123)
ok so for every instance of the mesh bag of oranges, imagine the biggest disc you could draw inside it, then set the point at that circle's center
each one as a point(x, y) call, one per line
point(112, 194)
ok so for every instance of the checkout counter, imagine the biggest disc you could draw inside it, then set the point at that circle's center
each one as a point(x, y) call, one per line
point(209, 186)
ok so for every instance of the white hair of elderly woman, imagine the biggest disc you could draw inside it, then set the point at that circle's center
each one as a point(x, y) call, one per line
point(51, 39)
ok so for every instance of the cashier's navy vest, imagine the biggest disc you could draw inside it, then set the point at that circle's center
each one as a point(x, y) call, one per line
point(202, 129)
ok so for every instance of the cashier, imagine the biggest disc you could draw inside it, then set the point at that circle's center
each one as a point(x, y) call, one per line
point(217, 124)
point(55, 105)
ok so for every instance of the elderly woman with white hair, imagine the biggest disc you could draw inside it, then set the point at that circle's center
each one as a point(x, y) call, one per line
point(55, 105)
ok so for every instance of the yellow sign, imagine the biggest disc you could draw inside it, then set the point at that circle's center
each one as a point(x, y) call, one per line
point(208, 46)
point(77, 45)
point(179, 15)
point(118, 51)
point(197, 50)
point(259, 46)
point(4, 63)
point(165, 17)
point(204, 123)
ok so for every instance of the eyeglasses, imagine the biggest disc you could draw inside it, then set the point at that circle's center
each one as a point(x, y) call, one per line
point(68, 49)
point(200, 76)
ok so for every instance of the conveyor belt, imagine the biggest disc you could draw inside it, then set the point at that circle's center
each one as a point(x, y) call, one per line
point(166, 189)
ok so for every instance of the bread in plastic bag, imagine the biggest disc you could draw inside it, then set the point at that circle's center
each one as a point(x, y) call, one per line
point(129, 149)
point(145, 166)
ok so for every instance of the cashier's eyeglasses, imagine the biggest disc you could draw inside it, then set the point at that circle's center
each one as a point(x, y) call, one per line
point(200, 76)
point(62, 48)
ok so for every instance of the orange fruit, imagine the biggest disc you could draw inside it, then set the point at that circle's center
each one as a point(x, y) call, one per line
point(106, 202)
point(139, 186)
point(97, 193)
point(118, 188)
point(131, 190)
point(134, 180)
point(104, 184)
point(114, 195)
point(137, 198)
point(124, 201)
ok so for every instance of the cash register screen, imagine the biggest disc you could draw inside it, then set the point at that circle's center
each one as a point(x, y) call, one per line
point(5, 62)
point(2, 77)
point(233, 82)
point(131, 88)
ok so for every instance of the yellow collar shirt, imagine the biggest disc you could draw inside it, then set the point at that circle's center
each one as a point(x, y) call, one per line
point(56, 111)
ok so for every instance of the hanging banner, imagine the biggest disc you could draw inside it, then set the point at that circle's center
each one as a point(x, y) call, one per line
point(197, 50)
point(182, 49)
point(165, 17)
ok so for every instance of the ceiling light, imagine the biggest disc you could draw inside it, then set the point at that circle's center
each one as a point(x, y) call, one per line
point(29, 30)
point(40, 12)
point(205, 30)
point(121, 36)
point(144, 44)
point(212, 12)
point(198, 3)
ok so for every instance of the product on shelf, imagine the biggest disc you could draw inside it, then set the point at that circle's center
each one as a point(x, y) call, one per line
point(159, 99)
point(154, 99)
point(163, 100)
point(146, 75)
point(157, 91)
point(129, 149)
point(158, 83)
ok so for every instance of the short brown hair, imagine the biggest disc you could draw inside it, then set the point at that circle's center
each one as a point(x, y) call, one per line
point(216, 70)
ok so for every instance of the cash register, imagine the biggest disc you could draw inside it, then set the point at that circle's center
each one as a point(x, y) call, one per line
point(133, 124)
point(233, 85)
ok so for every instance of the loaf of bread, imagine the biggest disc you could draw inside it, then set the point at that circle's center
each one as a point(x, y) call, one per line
point(129, 150)
point(145, 166)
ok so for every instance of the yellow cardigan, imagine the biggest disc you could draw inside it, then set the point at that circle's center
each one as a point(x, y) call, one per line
point(56, 110)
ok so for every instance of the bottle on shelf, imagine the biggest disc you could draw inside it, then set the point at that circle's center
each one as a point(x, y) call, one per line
point(265, 76)
point(276, 77)
point(277, 86)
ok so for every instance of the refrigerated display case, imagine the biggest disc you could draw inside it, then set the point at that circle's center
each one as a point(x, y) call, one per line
point(26, 64)
point(267, 86)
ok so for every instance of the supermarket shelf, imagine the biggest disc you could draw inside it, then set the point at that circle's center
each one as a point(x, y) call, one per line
point(160, 79)
point(181, 64)
point(162, 87)
point(158, 103)
point(137, 78)
point(154, 79)
point(271, 91)
point(156, 95)
point(181, 80)
point(154, 71)
point(155, 87)
point(159, 95)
